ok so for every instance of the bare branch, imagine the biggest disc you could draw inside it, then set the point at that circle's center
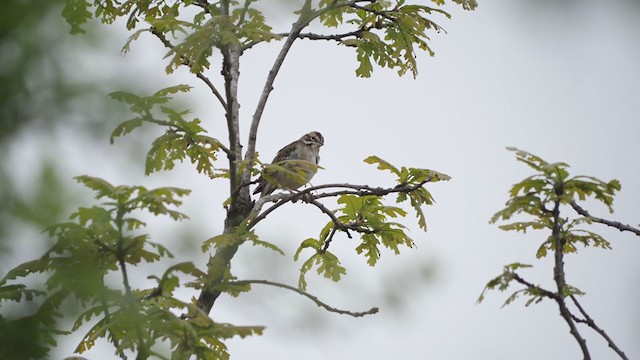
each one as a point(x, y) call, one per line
point(589, 321)
point(313, 36)
point(268, 87)
point(371, 311)
point(305, 195)
point(616, 224)
point(306, 16)
point(187, 63)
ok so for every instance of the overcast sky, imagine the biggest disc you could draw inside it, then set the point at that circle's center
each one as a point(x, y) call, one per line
point(559, 79)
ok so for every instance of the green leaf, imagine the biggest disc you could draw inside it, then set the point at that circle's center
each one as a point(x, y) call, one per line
point(329, 266)
point(503, 281)
point(523, 226)
point(126, 127)
point(382, 164)
point(467, 4)
point(369, 246)
point(162, 93)
point(23, 270)
point(308, 243)
point(306, 266)
point(267, 245)
point(234, 289)
point(100, 186)
point(76, 13)
point(133, 37)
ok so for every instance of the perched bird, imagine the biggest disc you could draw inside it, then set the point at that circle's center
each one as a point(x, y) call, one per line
point(297, 163)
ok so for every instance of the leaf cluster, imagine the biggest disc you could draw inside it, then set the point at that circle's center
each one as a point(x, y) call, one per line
point(389, 33)
point(199, 26)
point(182, 139)
point(413, 179)
point(542, 197)
point(97, 243)
point(537, 195)
point(368, 216)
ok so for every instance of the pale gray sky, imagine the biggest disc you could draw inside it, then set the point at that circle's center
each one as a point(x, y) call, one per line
point(559, 79)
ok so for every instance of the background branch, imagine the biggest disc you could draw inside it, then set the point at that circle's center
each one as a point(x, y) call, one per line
point(589, 321)
point(371, 311)
point(616, 224)
point(529, 285)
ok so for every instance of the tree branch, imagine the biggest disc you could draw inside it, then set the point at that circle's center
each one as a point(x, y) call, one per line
point(314, 36)
point(187, 63)
point(559, 275)
point(371, 311)
point(240, 201)
point(306, 16)
point(616, 224)
point(543, 292)
point(351, 189)
point(589, 321)
point(268, 87)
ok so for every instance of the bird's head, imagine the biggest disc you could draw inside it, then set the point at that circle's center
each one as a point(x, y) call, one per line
point(314, 139)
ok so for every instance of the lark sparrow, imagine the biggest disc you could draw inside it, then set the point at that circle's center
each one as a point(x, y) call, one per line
point(298, 163)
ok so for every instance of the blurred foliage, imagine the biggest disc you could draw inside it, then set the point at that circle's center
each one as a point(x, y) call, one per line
point(102, 241)
point(32, 51)
point(37, 97)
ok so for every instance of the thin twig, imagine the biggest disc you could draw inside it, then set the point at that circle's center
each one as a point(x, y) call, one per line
point(371, 311)
point(589, 321)
point(187, 63)
point(544, 292)
point(616, 224)
point(333, 37)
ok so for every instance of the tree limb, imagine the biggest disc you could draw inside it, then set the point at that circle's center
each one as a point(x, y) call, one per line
point(306, 16)
point(296, 28)
point(559, 274)
point(616, 224)
point(187, 63)
point(371, 311)
point(589, 321)
point(349, 189)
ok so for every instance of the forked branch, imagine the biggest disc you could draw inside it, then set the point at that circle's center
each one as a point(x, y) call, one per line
point(187, 63)
point(589, 321)
point(307, 196)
